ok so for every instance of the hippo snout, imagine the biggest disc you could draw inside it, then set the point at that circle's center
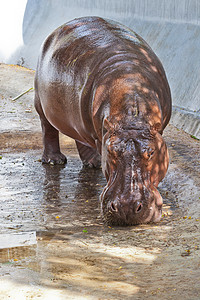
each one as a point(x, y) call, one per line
point(132, 211)
point(119, 213)
point(124, 209)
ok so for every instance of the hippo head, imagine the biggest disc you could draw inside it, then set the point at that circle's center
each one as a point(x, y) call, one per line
point(134, 161)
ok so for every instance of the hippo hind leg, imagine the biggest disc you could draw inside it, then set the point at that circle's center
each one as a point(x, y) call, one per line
point(51, 154)
point(89, 156)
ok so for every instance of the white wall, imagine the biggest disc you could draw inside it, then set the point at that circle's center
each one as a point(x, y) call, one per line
point(11, 19)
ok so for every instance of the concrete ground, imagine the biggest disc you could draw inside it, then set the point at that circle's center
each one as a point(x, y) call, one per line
point(53, 243)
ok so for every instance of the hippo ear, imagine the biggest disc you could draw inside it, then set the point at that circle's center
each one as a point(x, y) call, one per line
point(159, 165)
point(157, 128)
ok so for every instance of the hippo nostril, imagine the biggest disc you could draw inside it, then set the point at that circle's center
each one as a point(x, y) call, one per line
point(139, 208)
point(113, 207)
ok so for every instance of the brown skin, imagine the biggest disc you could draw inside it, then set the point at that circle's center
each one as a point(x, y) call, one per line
point(101, 84)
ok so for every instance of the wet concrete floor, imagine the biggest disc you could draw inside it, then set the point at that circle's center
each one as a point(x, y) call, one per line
point(53, 243)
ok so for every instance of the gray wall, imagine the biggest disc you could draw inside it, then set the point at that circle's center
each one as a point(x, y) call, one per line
point(171, 27)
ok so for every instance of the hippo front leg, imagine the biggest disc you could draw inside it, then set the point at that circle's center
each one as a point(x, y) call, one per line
point(89, 156)
point(51, 154)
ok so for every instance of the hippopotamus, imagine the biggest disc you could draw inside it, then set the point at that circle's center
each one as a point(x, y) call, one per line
point(101, 84)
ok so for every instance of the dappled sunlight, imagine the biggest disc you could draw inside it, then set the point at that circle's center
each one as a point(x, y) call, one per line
point(98, 267)
point(83, 263)
point(79, 265)
point(145, 53)
point(130, 254)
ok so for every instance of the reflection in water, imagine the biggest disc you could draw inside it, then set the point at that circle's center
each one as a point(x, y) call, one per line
point(90, 181)
point(17, 246)
point(52, 182)
point(17, 253)
point(71, 193)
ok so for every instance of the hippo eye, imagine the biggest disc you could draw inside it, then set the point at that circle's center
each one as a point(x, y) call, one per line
point(149, 153)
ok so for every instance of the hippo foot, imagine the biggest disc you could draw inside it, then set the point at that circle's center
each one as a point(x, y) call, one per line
point(95, 162)
point(54, 159)
point(89, 156)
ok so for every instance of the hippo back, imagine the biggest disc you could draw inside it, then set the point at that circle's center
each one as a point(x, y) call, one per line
point(84, 54)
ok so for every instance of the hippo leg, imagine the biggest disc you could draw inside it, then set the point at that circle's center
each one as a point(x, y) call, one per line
point(89, 156)
point(51, 154)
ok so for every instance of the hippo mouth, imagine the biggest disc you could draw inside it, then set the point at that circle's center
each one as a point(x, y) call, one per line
point(128, 213)
point(115, 218)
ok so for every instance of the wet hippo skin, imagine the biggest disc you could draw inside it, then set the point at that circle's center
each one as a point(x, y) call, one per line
point(100, 83)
